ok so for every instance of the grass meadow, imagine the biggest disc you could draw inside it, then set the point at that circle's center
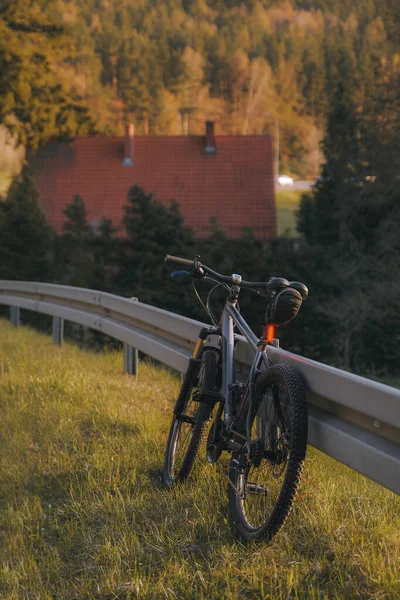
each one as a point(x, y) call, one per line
point(287, 203)
point(83, 513)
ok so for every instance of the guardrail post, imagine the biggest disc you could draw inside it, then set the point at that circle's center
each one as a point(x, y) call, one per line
point(131, 358)
point(15, 315)
point(58, 330)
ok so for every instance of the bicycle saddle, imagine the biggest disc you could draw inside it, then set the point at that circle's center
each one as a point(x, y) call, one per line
point(277, 283)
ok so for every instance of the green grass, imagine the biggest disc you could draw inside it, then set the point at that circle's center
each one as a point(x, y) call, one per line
point(287, 203)
point(83, 513)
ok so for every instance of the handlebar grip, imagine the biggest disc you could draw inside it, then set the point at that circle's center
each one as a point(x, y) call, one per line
point(179, 261)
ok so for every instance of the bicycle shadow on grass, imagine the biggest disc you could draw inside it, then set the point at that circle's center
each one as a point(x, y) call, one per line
point(202, 504)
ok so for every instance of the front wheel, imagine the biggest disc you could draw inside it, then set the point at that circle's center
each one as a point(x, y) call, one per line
point(264, 480)
point(190, 420)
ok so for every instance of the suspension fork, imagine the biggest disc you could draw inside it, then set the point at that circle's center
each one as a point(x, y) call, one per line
point(192, 370)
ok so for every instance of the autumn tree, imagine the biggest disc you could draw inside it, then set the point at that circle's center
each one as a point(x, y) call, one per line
point(33, 102)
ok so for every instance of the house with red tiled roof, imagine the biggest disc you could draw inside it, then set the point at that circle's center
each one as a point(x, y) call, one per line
point(222, 176)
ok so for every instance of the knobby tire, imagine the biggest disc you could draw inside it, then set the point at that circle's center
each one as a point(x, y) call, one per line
point(281, 424)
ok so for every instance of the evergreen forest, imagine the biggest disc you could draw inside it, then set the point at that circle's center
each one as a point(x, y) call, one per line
point(328, 70)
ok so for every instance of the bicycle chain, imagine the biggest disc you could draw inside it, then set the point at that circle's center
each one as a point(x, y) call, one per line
point(221, 469)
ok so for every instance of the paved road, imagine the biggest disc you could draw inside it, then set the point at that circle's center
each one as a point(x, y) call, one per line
point(297, 185)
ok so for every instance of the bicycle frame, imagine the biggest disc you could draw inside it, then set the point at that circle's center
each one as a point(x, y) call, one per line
point(230, 318)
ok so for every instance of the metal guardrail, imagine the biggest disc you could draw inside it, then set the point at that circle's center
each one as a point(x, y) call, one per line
point(353, 419)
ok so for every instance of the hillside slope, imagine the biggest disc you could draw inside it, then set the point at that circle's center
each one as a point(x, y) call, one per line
point(84, 514)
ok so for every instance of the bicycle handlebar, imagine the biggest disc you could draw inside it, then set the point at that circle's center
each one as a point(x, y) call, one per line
point(179, 261)
point(200, 271)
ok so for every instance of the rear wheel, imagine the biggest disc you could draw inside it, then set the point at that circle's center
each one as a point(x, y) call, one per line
point(264, 480)
point(190, 421)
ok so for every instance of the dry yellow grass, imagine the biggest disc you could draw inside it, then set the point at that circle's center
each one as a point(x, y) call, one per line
point(84, 513)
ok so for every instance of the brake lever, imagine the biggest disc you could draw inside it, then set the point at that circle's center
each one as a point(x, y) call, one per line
point(180, 274)
point(199, 273)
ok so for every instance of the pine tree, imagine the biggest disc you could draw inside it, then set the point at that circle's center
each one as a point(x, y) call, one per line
point(351, 224)
point(105, 246)
point(75, 265)
point(319, 217)
point(26, 240)
point(152, 231)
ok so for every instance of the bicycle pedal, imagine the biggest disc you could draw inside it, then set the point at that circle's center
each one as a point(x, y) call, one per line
point(256, 488)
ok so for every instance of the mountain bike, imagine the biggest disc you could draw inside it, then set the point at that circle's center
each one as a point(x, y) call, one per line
point(262, 422)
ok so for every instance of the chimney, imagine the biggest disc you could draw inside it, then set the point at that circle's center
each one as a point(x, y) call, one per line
point(128, 157)
point(210, 146)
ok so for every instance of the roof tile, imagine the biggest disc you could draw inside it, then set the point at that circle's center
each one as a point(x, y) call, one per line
point(235, 185)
